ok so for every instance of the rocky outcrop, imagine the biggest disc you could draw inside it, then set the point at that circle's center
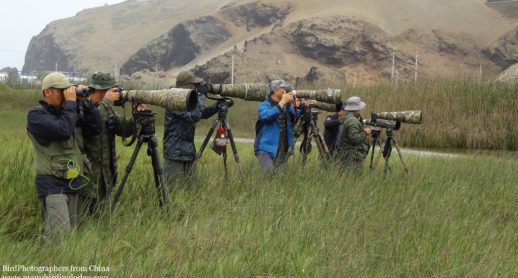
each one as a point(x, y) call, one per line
point(340, 40)
point(44, 54)
point(510, 74)
point(505, 50)
point(104, 38)
point(316, 48)
point(182, 44)
point(256, 14)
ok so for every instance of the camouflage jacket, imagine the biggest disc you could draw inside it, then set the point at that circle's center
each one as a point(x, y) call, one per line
point(99, 151)
point(353, 143)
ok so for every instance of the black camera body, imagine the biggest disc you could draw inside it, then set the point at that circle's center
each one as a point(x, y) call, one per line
point(204, 88)
point(84, 91)
point(121, 100)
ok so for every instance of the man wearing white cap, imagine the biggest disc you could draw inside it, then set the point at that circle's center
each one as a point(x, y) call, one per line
point(353, 145)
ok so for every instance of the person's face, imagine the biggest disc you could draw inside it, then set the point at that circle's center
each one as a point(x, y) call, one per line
point(278, 93)
point(54, 97)
point(97, 96)
point(341, 113)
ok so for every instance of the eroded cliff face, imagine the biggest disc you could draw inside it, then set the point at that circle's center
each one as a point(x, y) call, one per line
point(194, 38)
point(179, 46)
point(45, 54)
point(343, 46)
point(256, 14)
point(104, 38)
point(505, 50)
point(269, 39)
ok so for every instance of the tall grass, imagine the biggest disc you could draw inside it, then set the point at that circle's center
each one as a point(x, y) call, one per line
point(457, 113)
point(452, 217)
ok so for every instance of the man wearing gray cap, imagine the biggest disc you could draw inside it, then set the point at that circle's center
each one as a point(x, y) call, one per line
point(56, 131)
point(179, 127)
point(353, 145)
point(273, 128)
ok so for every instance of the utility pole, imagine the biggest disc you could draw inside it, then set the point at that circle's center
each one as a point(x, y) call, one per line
point(393, 62)
point(415, 75)
point(156, 73)
point(480, 73)
point(232, 73)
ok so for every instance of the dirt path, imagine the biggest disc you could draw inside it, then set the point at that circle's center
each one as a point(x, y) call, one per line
point(403, 150)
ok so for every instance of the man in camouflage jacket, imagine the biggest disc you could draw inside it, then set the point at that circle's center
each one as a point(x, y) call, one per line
point(100, 149)
point(353, 145)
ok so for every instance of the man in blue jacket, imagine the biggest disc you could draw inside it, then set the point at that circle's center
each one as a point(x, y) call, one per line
point(273, 128)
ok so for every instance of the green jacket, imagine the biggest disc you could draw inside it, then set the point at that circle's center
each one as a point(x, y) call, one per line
point(99, 151)
point(353, 144)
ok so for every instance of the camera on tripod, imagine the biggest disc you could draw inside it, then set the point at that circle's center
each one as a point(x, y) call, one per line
point(390, 121)
point(393, 120)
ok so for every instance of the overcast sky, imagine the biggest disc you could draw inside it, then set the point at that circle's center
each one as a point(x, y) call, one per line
point(20, 20)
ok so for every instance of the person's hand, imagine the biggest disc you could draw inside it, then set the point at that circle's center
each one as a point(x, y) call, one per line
point(286, 98)
point(141, 107)
point(367, 130)
point(113, 94)
point(70, 93)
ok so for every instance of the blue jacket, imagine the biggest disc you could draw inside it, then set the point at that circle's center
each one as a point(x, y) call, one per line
point(267, 128)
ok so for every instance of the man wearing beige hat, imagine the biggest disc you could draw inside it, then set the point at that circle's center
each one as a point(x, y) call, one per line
point(56, 132)
point(353, 144)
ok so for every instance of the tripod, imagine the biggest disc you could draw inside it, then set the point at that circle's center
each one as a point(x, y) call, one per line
point(307, 124)
point(146, 119)
point(223, 107)
point(386, 149)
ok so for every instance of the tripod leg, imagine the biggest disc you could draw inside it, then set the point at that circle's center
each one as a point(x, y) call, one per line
point(387, 166)
point(128, 171)
point(234, 150)
point(305, 146)
point(225, 162)
point(401, 156)
point(320, 142)
point(158, 171)
point(382, 146)
point(207, 138)
point(373, 149)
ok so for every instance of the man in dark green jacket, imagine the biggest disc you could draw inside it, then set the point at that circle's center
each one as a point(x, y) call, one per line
point(100, 149)
point(353, 145)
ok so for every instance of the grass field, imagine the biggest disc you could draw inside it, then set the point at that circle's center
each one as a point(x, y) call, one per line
point(452, 216)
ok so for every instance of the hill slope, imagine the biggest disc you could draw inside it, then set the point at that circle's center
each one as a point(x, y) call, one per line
point(170, 35)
